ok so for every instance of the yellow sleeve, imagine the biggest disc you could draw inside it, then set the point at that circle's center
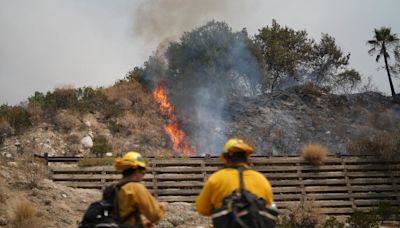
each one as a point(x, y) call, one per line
point(269, 195)
point(136, 196)
point(148, 205)
point(203, 202)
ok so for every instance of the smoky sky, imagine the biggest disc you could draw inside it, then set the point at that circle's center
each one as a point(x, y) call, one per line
point(45, 44)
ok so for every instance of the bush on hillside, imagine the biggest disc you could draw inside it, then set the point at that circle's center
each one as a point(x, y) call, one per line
point(315, 153)
point(67, 120)
point(16, 116)
point(5, 130)
point(34, 171)
point(384, 145)
point(100, 146)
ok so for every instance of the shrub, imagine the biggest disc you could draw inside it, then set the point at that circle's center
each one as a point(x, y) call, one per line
point(33, 171)
point(5, 130)
point(16, 116)
point(384, 145)
point(315, 153)
point(25, 215)
point(67, 120)
point(310, 88)
point(100, 146)
point(332, 222)
point(365, 219)
point(360, 219)
point(305, 214)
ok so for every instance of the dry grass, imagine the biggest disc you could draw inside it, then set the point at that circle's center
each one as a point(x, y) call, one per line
point(33, 171)
point(67, 120)
point(87, 162)
point(25, 214)
point(305, 214)
point(315, 153)
point(311, 88)
point(384, 145)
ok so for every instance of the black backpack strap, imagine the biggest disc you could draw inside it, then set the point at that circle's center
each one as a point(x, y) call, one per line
point(241, 182)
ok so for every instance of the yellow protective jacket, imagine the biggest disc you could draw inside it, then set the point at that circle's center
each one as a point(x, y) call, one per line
point(223, 182)
point(134, 196)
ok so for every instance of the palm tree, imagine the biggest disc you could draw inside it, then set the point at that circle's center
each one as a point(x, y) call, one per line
point(383, 42)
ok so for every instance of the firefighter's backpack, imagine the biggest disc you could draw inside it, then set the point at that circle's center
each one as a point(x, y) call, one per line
point(244, 209)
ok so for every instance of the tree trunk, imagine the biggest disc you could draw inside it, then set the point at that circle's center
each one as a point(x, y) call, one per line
point(388, 72)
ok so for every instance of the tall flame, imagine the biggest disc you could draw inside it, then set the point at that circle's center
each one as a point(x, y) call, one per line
point(177, 136)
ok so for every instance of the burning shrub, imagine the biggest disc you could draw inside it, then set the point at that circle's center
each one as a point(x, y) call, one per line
point(25, 214)
point(315, 153)
point(384, 145)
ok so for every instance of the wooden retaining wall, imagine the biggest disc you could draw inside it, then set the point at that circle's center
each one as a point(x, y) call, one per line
point(340, 186)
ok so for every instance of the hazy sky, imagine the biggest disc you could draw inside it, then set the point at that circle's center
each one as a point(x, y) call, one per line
point(46, 44)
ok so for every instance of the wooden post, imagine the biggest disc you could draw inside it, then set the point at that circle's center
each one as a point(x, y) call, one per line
point(46, 157)
point(154, 172)
point(348, 184)
point(103, 179)
point(300, 177)
point(203, 170)
point(395, 188)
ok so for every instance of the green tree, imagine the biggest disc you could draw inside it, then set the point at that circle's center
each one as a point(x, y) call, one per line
point(383, 42)
point(285, 52)
point(213, 55)
point(328, 59)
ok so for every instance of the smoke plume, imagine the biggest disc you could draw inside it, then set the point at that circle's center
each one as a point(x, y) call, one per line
point(155, 20)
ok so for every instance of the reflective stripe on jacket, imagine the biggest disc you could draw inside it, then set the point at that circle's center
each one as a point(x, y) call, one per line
point(223, 182)
point(135, 196)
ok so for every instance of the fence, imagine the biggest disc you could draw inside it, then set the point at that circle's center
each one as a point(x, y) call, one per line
point(339, 186)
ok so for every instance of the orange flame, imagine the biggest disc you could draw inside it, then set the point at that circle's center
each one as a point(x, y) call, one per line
point(177, 136)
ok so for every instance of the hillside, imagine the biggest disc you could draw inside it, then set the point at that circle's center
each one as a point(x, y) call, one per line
point(276, 124)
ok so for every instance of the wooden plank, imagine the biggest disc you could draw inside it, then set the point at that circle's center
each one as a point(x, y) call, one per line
point(372, 188)
point(373, 195)
point(177, 198)
point(179, 177)
point(176, 184)
point(326, 203)
point(325, 189)
point(286, 196)
point(177, 192)
point(85, 176)
point(374, 202)
point(370, 181)
point(327, 196)
point(335, 211)
point(92, 176)
point(278, 190)
point(353, 174)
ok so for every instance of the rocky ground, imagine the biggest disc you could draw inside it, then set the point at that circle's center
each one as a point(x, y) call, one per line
point(282, 123)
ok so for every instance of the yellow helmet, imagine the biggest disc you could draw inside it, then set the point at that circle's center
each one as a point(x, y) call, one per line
point(235, 145)
point(130, 160)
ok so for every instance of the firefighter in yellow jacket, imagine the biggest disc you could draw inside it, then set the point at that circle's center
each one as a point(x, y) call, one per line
point(223, 182)
point(134, 196)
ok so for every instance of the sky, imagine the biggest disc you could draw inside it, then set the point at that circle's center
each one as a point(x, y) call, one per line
point(47, 44)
